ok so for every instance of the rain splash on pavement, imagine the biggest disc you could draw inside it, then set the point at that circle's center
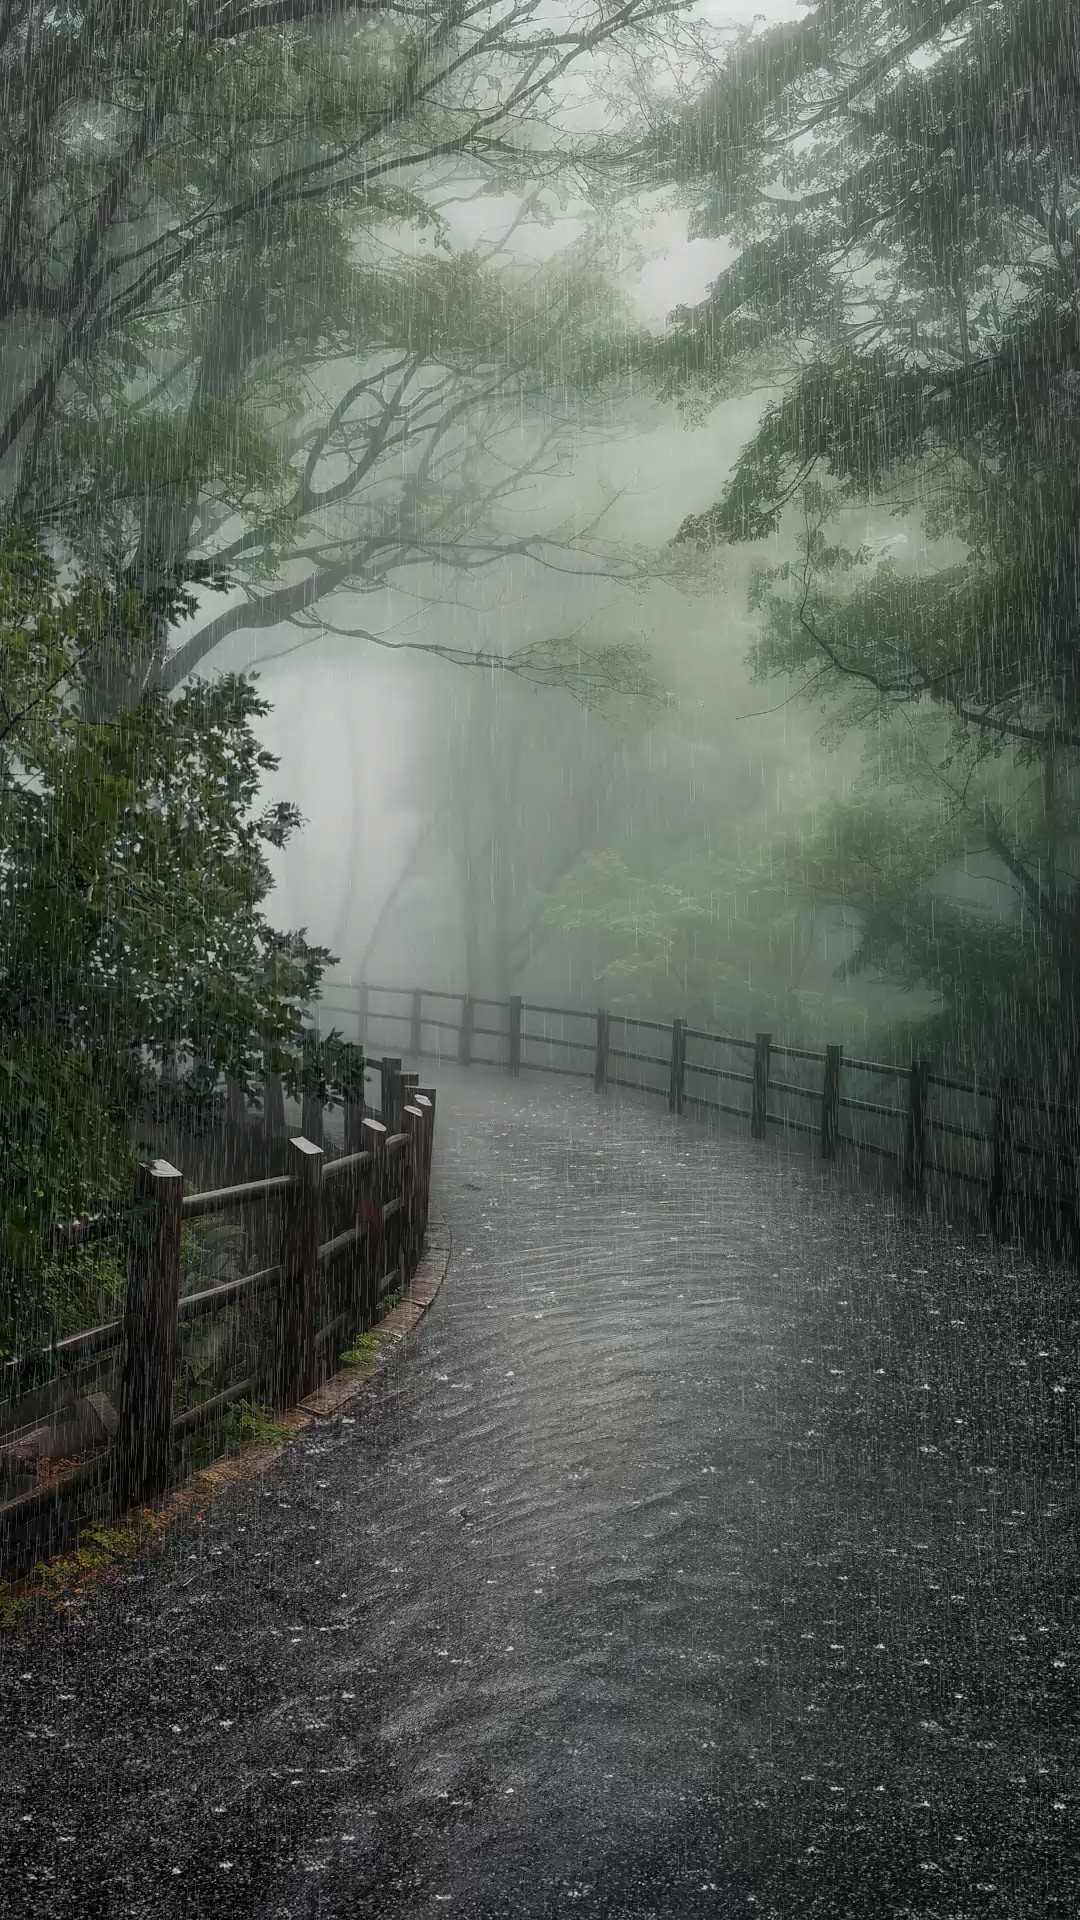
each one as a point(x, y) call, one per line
point(710, 1549)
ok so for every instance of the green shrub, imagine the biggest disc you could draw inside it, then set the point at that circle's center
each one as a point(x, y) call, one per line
point(250, 1423)
point(365, 1348)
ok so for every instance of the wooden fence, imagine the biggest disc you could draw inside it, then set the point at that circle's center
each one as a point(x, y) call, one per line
point(349, 1229)
point(996, 1137)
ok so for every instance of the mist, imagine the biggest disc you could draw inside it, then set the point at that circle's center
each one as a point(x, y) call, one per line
point(539, 915)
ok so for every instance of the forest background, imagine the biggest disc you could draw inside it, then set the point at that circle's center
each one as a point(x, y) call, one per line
point(635, 448)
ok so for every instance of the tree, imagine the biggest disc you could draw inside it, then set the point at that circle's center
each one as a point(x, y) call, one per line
point(903, 181)
point(131, 906)
point(525, 790)
point(638, 929)
point(716, 940)
point(240, 352)
point(904, 852)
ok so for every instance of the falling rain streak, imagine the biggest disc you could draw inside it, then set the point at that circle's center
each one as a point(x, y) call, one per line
point(539, 912)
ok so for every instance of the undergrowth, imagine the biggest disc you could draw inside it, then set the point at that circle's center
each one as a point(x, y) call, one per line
point(365, 1348)
point(250, 1423)
point(99, 1548)
point(247, 1423)
point(84, 1286)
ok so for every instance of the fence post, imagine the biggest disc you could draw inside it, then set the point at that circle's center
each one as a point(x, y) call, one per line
point(678, 1066)
point(416, 1119)
point(371, 1218)
point(465, 1032)
point(759, 1092)
point(425, 1097)
point(151, 1334)
point(515, 1035)
point(416, 1023)
point(830, 1103)
point(274, 1107)
point(235, 1102)
point(600, 1072)
point(395, 1231)
point(390, 1099)
point(1001, 1156)
point(397, 1095)
point(407, 1085)
point(312, 1121)
point(354, 1111)
point(296, 1298)
point(915, 1128)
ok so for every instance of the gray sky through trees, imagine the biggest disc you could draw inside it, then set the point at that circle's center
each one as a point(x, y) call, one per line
point(344, 717)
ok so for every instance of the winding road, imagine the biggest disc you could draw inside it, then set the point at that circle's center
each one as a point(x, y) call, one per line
point(709, 1550)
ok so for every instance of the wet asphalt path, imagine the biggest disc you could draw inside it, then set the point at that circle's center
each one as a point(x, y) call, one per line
point(708, 1551)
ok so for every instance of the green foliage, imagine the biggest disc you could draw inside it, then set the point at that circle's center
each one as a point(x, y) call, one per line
point(131, 911)
point(224, 229)
point(250, 1423)
point(135, 452)
point(927, 282)
point(83, 1288)
point(828, 150)
point(718, 938)
point(641, 926)
point(926, 813)
point(329, 1068)
point(364, 1350)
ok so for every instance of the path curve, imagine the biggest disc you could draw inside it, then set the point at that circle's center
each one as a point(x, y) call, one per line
point(705, 1552)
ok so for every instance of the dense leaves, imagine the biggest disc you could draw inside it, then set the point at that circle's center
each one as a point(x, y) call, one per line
point(236, 338)
point(131, 901)
point(903, 181)
point(688, 931)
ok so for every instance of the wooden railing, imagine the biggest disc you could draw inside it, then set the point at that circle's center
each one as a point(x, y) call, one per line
point(987, 1134)
point(350, 1231)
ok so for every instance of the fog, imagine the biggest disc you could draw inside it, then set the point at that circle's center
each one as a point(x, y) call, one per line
point(635, 628)
point(572, 506)
point(372, 747)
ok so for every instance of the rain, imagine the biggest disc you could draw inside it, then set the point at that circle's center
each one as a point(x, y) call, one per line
point(539, 1011)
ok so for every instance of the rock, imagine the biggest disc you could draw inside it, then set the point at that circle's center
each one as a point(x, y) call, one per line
point(88, 1422)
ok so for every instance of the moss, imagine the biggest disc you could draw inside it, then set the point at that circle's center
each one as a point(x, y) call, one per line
point(100, 1547)
point(246, 1425)
point(13, 1603)
point(365, 1348)
point(52, 1582)
point(249, 1423)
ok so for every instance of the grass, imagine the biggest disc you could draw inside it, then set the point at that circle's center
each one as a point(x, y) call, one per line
point(100, 1547)
point(248, 1423)
point(365, 1348)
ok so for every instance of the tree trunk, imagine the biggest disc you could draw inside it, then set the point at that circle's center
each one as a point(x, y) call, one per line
point(236, 335)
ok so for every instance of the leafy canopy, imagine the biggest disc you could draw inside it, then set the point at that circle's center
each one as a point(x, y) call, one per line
point(132, 890)
point(903, 182)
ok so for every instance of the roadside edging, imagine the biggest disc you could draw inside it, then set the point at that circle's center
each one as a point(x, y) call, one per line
point(56, 1583)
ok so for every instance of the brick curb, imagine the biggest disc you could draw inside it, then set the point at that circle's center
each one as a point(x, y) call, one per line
point(342, 1387)
point(140, 1528)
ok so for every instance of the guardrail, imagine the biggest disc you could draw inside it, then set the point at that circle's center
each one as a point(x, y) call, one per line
point(982, 1133)
point(350, 1230)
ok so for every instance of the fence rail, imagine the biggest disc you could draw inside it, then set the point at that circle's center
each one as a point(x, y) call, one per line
point(351, 1227)
point(345, 1228)
point(910, 1131)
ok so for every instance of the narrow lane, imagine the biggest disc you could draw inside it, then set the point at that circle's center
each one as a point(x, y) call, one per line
point(707, 1551)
